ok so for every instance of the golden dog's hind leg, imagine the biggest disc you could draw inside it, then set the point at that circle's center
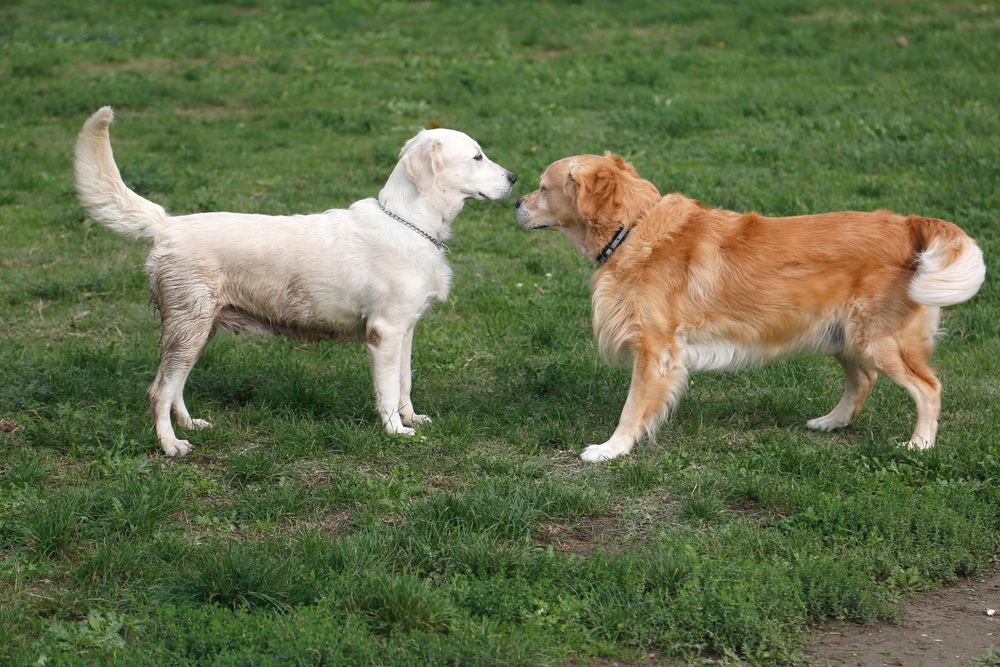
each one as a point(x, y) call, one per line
point(908, 368)
point(859, 383)
point(658, 380)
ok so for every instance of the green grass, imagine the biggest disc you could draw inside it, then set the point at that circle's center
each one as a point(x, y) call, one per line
point(298, 532)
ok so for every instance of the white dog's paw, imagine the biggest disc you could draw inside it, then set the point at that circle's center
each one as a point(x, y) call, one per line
point(598, 453)
point(176, 447)
point(399, 429)
point(826, 423)
point(417, 420)
point(188, 422)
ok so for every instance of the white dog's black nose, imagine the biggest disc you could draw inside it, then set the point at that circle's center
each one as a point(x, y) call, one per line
point(512, 177)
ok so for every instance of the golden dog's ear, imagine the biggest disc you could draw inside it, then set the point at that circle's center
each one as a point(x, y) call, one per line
point(421, 159)
point(612, 191)
point(598, 189)
point(622, 164)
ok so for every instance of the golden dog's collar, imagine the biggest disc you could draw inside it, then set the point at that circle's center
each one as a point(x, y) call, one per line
point(609, 249)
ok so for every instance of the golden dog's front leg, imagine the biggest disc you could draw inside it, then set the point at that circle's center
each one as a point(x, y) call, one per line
point(658, 380)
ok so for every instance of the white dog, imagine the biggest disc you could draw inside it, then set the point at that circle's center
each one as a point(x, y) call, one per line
point(363, 273)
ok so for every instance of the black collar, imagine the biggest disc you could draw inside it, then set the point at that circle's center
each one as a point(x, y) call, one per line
point(440, 246)
point(613, 245)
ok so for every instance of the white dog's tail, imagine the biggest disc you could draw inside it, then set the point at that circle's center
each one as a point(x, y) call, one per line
point(102, 191)
point(950, 266)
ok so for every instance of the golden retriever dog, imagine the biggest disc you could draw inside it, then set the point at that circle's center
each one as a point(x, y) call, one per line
point(684, 287)
point(365, 273)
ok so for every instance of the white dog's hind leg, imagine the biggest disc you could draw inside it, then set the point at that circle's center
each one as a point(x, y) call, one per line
point(181, 414)
point(657, 383)
point(385, 347)
point(859, 383)
point(406, 411)
point(182, 341)
point(160, 397)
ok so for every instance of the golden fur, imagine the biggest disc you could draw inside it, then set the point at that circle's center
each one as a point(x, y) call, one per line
point(699, 288)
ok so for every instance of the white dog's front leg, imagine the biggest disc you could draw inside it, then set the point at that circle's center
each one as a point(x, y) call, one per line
point(406, 411)
point(385, 347)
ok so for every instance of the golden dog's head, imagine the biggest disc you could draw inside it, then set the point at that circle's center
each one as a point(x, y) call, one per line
point(588, 198)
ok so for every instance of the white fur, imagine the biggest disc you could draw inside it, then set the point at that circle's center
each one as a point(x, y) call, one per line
point(709, 350)
point(346, 274)
point(944, 281)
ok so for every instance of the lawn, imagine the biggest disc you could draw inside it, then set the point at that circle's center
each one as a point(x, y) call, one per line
point(298, 532)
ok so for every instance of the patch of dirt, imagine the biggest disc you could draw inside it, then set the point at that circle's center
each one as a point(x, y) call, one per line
point(950, 627)
point(582, 538)
point(7, 426)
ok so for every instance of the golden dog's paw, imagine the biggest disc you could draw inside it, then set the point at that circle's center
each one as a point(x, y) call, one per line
point(598, 453)
point(919, 443)
point(827, 423)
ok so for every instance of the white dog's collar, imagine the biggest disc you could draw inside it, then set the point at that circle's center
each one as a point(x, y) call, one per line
point(440, 246)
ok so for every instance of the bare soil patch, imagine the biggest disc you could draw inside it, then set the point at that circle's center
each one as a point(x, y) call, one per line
point(948, 627)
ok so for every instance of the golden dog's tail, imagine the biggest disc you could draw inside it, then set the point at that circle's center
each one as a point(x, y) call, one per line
point(950, 266)
point(101, 189)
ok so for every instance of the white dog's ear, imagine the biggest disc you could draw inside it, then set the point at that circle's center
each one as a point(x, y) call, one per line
point(422, 162)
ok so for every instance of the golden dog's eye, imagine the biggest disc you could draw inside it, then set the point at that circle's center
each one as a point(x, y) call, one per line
point(541, 188)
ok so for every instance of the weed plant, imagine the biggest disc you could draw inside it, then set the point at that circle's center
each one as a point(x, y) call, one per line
point(297, 532)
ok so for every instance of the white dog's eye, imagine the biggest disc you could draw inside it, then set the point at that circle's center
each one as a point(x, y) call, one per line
point(478, 158)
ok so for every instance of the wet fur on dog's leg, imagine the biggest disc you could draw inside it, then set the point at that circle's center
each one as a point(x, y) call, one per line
point(188, 310)
point(182, 343)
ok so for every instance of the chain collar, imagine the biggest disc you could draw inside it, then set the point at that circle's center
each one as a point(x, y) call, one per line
point(440, 246)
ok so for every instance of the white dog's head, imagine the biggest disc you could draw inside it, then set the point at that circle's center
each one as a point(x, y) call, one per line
point(448, 167)
point(451, 161)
